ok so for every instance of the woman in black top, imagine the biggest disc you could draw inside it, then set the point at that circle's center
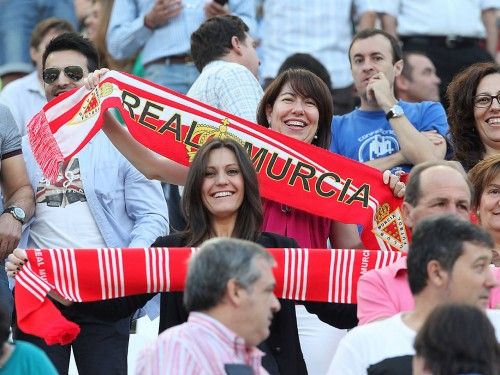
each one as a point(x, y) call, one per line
point(221, 198)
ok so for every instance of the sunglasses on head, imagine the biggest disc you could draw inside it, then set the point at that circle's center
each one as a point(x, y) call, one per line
point(74, 73)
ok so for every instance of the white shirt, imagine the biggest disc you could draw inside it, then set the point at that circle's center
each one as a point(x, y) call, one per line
point(494, 317)
point(24, 97)
point(372, 343)
point(230, 87)
point(317, 27)
point(438, 17)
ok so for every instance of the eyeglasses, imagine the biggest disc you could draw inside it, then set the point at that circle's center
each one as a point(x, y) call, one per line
point(74, 73)
point(485, 101)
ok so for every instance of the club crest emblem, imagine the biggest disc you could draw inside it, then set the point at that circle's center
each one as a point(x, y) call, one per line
point(390, 227)
point(203, 132)
point(91, 106)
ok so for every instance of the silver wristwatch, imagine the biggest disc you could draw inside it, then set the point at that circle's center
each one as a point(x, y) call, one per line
point(394, 112)
point(17, 212)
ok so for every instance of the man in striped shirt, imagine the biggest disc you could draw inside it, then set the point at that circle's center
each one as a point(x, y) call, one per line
point(230, 296)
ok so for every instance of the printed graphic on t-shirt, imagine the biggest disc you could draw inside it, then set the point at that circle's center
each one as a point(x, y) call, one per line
point(67, 190)
point(377, 144)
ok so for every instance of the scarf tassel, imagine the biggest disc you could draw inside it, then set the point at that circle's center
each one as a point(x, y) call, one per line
point(44, 146)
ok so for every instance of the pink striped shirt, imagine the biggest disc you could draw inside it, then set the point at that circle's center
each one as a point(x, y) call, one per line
point(202, 345)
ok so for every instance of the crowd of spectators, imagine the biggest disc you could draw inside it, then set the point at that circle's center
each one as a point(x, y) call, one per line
point(405, 87)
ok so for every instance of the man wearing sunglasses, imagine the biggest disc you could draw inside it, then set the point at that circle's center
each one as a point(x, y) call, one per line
point(99, 200)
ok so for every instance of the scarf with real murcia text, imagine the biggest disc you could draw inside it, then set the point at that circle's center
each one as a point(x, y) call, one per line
point(81, 275)
point(291, 172)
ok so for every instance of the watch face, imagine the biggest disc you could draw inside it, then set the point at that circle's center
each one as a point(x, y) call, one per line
point(398, 111)
point(19, 213)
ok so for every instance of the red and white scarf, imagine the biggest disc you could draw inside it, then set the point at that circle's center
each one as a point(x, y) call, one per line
point(81, 275)
point(290, 171)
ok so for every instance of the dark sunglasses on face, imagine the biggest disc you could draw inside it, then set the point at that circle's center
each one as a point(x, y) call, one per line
point(74, 73)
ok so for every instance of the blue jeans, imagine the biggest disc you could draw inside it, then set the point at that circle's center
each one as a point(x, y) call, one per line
point(6, 300)
point(17, 20)
point(177, 77)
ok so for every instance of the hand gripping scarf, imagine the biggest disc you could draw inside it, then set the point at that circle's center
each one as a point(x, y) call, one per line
point(290, 171)
point(83, 275)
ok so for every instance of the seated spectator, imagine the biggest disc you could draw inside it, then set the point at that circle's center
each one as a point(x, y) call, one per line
point(418, 81)
point(21, 357)
point(229, 294)
point(473, 113)
point(384, 132)
point(456, 339)
point(433, 188)
point(26, 96)
point(448, 261)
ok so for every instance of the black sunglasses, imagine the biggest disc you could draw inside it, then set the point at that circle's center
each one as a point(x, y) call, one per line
point(74, 73)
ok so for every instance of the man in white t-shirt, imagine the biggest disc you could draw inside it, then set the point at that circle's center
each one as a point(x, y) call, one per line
point(99, 200)
point(448, 261)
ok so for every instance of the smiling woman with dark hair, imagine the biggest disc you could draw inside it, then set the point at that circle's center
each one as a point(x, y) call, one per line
point(222, 199)
point(474, 113)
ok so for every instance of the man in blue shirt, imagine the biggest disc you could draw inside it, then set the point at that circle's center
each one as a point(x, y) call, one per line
point(99, 200)
point(384, 132)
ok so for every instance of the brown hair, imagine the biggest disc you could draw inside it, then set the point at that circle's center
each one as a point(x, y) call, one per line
point(249, 218)
point(481, 176)
point(458, 339)
point(467, 144)
point(47, 25)
point(397, 52)
point(308, 85)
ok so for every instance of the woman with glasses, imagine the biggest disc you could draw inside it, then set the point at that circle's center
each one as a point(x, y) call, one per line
point(474, 113)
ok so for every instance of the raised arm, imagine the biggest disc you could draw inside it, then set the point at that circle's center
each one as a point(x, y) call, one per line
point(149, 163)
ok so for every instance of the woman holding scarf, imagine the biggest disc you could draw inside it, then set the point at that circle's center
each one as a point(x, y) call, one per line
point(221, 198)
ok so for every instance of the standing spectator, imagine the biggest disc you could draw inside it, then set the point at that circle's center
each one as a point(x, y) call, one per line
point(448, 261)
point(318, 28)
point(224, 52)
point(418, 81)
point(96, 27)
point(17, 205)
point(384, 132)
point(17, 20)
point(162, 28)
point(99, 200)
point(453, 33)
point(231, 303)
point(433, 188)
point(25, 96)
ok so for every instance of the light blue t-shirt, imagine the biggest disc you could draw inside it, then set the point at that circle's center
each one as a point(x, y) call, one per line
point(28, 359)
point(364, 135)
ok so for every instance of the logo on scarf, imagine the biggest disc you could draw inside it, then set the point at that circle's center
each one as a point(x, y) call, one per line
point(390, 227)
point(201, 133)
point(91, 106)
